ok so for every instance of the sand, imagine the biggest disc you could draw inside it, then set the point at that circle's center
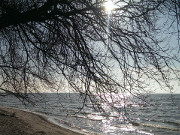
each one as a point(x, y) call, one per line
point(18, 122)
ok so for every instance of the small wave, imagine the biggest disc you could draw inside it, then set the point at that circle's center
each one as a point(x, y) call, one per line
point(95, 117)
point(155, 126)
point(79, 116)
point(173, 122)
point(130, 128)
point(90, 117)
point(71, 126)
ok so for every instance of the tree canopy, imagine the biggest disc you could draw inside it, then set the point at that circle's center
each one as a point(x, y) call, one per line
point(44, 43)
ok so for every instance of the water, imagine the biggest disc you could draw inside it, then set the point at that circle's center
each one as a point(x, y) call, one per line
point(159, 115)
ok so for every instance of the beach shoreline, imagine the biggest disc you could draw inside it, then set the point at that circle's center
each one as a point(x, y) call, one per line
point(15, 121)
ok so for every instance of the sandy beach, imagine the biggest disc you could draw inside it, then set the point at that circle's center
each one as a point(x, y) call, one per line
point(18, 122)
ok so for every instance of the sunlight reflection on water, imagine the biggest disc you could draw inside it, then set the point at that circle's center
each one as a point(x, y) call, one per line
point(160, 116)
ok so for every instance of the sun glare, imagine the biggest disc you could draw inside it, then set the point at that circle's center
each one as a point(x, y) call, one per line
point(109, 6)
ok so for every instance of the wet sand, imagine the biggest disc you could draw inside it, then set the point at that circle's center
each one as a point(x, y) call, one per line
point(18, 122)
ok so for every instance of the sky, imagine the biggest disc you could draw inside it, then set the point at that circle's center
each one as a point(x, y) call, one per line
point(171, 41)
point(168, 34)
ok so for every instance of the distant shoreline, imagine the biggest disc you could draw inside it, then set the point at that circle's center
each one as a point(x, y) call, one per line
point(19, 122)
